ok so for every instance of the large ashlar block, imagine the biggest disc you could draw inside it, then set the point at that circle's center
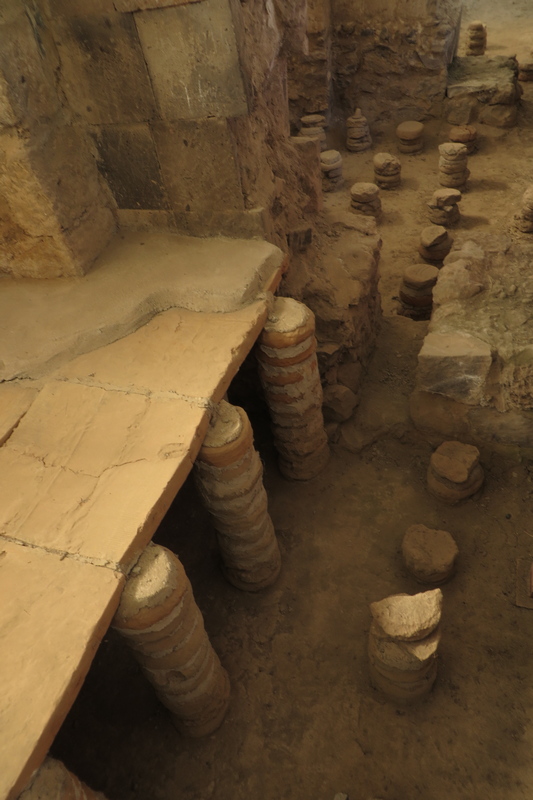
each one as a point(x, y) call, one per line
point(28, 60)
point(159, 619)
point(205, 201)
point(103, 71)
point(53, 781)
point(129, 163)
point(192, 55)
point(56, 215)
point(229, 475)
point(455, 365)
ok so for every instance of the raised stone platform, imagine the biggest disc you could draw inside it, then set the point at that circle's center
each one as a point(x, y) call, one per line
point(475, 368)
point(92, 456)
point(45, 322)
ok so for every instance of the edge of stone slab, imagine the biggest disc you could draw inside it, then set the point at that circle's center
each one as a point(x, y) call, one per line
point(55, 342)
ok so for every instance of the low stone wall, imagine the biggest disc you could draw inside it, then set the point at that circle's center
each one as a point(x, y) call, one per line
point(484, 89)
point(475, 368)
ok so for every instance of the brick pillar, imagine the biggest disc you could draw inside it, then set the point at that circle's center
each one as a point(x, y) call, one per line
point(229, 475)
point(160, 621)
point(289, 373)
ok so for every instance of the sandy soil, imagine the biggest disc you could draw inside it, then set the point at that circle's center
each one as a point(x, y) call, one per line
point(304, 722)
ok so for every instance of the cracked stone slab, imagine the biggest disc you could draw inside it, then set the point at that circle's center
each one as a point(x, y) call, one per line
point(44, 323)
point(15, 399)
point(92, 472)
point(66, 606)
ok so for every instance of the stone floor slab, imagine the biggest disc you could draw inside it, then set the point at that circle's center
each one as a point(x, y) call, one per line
point(91, 471)
point(15, 399)
point(54, 613)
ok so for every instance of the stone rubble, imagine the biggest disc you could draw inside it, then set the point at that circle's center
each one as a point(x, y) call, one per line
point(288, 370)
point(313, 126)
point(464, 134)
point(339, 403)
point(410, 137)
point(416, 290)
point(523, 220)
point(229, 476)
point(435, 244)
point(402, 645)
point(365, 199)
point(159, 619)
point(476, 39)
point(331, 167)
point(429, 555)
point(443, 207)
point(387, 171)
point(453, 165)
point(53, 781)
point(454, 472)
point(358, 137)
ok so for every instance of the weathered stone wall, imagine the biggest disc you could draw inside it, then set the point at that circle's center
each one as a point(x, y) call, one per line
point(56, 214)
point(390, 58)
point(310, 74)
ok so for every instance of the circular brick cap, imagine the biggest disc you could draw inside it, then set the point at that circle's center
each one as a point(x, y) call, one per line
point(454, 461)
point(446, 197)
point(409, 130)
point(313, 132)
point(433, 235)
point(420, 276)
point(364, 192)
point(463, 133)
point(453, 150)
point(330, 157)
point(429, 554)
point(310, 120)
point(476, 25)
point(386, 163)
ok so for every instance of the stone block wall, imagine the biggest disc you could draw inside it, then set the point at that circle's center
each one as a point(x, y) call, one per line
point(186, 106)
point(56, 211)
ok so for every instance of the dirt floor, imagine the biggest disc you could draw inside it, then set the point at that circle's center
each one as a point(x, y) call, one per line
point(304, 722)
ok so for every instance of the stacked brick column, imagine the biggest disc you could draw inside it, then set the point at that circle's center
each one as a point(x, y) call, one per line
point(53, 781)
point(160, 621)
point(289, 374)
point(229, 475)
